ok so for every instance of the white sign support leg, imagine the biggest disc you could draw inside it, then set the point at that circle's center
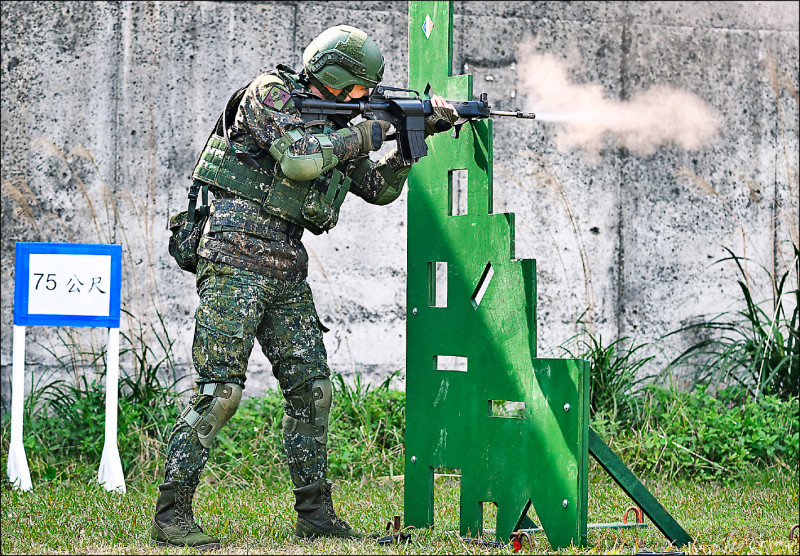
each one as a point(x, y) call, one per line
point(110, 474)
point(18, 472)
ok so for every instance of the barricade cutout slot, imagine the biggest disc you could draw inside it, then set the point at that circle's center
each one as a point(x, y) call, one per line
point(450, 363)
point(506, 409)
point(437, 284)
point(483, 283)
point(445, 481)
point(488, 510)
point(458, 203)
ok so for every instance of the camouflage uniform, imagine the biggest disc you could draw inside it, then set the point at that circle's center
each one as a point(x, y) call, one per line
point(273, 176)
point(251, 280)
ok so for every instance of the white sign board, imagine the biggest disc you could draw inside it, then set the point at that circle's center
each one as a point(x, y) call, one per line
point(66, 284)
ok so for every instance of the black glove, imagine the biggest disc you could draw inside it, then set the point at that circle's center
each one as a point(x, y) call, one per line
point(371, 134)
point(442, 119)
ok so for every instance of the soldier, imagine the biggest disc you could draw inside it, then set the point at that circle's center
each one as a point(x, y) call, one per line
point(272, 177)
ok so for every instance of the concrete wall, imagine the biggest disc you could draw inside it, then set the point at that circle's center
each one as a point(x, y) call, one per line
point(105, 106)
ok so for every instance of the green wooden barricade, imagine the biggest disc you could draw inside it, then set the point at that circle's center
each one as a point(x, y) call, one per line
point(471, 337)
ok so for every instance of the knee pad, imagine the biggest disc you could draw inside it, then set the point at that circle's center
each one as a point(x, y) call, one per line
point(226, 397)
point(320, 398)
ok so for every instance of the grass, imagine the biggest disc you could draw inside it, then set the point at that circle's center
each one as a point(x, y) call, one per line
point(757, 346)
point(751, 517)
point(245, 496)
point(613, 377)
point(704, 450)
point(701, 437)
point(64, 426)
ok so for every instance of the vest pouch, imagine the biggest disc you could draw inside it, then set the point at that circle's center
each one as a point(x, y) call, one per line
point(316, 212)
point(325, 197)
point(183, 243)
point(313, 205)
point(285, 198)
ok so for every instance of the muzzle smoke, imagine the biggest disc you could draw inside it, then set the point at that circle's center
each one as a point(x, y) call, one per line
point(589, 121)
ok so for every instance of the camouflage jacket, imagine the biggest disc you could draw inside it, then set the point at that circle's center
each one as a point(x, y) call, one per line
point(240, 233)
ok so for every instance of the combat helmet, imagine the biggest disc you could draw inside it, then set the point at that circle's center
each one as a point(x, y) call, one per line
point(343, 56)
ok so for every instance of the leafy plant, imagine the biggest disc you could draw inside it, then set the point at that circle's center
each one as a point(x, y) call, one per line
point(758, 346)
point(366, 435)
point(250, 446)
point(64, 421)
point(695, 434)
point(613, 372)
point(145, 387)
point(367, 427)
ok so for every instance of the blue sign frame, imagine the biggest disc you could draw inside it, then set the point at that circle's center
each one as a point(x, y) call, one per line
point(21, 284)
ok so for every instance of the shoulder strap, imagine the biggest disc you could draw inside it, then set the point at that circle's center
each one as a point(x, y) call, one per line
point(194, 212)
point(285, 72)
point(230, 111)
point(198, 187)
point(218, 127)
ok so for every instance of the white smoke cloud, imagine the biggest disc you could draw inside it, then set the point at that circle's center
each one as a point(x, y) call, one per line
point(585, 119)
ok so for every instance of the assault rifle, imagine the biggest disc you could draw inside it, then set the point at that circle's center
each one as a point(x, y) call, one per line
point(406, 113)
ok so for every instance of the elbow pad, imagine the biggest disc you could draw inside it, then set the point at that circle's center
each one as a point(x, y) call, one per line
point(307, 166)
point(395, 179)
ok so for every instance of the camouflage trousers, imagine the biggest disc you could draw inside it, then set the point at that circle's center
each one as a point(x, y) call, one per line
point(236, 308)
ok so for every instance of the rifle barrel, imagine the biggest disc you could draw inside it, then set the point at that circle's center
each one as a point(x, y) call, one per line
point(526, 115)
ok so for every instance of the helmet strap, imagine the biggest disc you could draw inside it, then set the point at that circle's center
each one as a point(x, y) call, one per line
point(320, 86)
point(345, 93)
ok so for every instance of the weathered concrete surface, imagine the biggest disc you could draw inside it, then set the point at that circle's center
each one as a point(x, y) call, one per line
point(105, 106)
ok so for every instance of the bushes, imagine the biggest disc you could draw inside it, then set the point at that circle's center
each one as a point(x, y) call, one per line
point(758, 346)
point(64, 431)
point(751, 423)
point(672, 434)
point(613, 380)
point(365, 439)
point(661, 431)
point(64, 427)
point(367, 429)
point(698, 435)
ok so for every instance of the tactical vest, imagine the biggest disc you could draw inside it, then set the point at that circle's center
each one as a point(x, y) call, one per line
point(312, 204)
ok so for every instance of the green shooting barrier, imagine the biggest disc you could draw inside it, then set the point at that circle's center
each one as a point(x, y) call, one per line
point(478, 399)
point(472, 336)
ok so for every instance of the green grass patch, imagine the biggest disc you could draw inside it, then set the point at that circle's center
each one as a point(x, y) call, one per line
point(366, 436)
point(704, 437)
point(751, 516)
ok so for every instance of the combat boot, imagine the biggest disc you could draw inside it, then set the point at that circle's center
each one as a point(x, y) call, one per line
point(174, 522)
point(316, 516)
